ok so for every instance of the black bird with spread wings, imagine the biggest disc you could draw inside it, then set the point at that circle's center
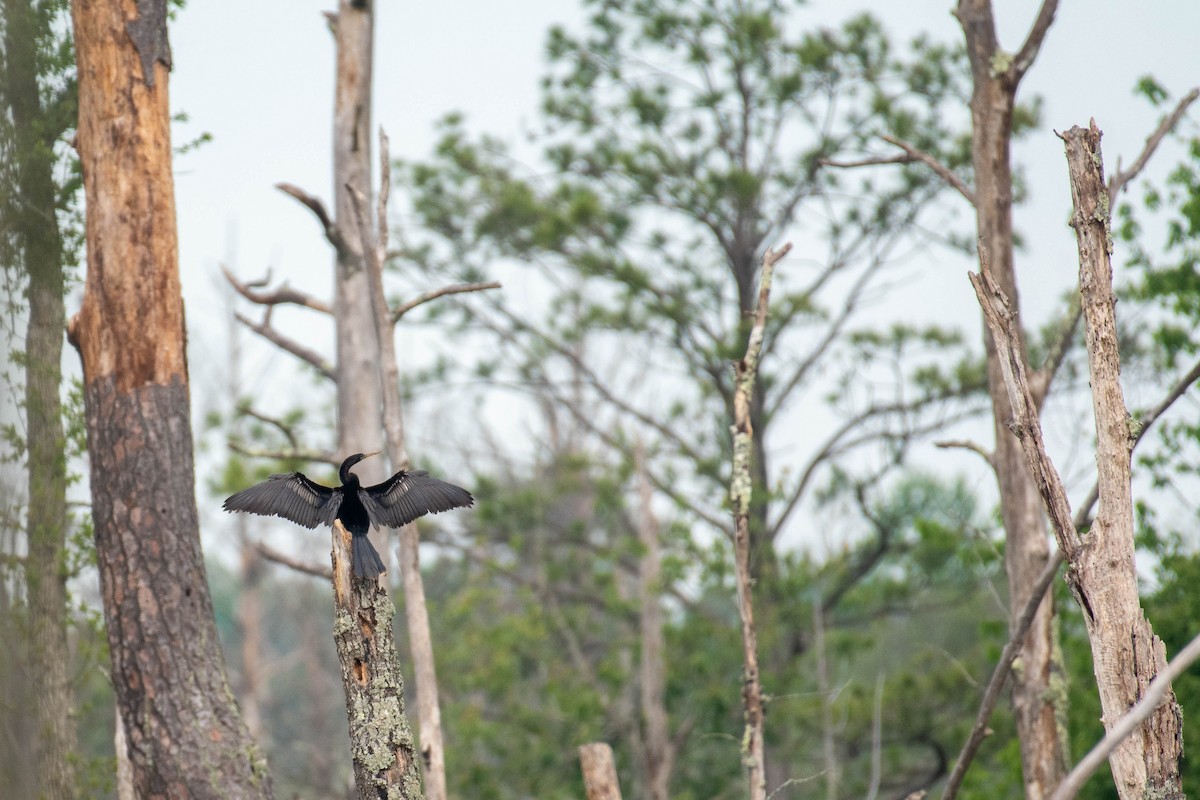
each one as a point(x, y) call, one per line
point(396, 502)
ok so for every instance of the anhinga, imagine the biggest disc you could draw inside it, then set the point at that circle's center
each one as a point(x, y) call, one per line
point(395, 502)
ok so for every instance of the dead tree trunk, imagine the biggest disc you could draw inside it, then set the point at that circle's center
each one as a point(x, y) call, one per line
point(599, 772)
point(1100, 563)
point(1036, 701)
point(358, 387)
point(186, 736)
point(429, 714)
point(1125, 652)
point(381, 742)
point(740, 495)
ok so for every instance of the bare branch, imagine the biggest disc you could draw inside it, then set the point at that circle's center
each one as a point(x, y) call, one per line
point(870, 161)
point(332, 232)
point(281, 296)
point(307, 567)
point(1040, 380)
point(991, 695)
point(313, 456)
point(606, 394)
point(314, 204)
point(837, 443)
point(279, 425)
point(942, 171)
point(458, 288)
point(912, 154)
point(1002, 324)
point(967, 444)
point(867, 558)
point(1033, 42)
point(1122, 177)
point(1153, 697)
point(740, 490)
point(305, 354)
point(1084, 510)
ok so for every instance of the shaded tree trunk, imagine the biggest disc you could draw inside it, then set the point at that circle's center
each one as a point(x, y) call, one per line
point(35, 223)
point(1037, 695)
point(186, 735)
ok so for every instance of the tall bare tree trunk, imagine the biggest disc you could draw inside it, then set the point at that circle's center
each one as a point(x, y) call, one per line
point(1125, 652)
point(186, 736)
point(741, 491)
point(420, 638)
point(40, 240)
point(358, 387)
point(1036, 695)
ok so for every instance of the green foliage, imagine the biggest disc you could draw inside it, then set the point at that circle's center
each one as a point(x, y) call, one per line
point(682, 139)
point(1165, 284)
point(1172, 609)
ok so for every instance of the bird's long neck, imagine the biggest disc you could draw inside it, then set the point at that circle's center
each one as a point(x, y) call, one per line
point(349, 479)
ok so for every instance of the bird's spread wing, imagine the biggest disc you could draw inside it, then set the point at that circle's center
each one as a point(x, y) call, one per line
point(408, 495)
point(291, 496)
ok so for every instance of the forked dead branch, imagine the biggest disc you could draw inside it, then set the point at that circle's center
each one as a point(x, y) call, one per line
point(1100, 572)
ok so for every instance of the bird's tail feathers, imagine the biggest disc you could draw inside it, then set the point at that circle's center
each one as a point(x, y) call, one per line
point(365, 558)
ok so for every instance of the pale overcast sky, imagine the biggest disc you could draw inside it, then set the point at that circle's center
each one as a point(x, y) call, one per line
point(258, 76)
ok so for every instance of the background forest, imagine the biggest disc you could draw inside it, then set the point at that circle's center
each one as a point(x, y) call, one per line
point(567, 297)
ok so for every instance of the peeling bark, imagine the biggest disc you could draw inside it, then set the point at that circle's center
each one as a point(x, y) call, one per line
point(381, 742)
point(186, 736)
point(1125, 652)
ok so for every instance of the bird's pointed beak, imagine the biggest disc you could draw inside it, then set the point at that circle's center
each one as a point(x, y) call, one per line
point(368, 455)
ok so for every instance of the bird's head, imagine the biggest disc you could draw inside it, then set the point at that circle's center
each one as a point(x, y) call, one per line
point(344, 472)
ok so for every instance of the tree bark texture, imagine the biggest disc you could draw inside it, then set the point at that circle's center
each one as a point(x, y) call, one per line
point(358, 380)
point(741, 490)
point(599, 772)
point(35, 222)
point(381, 742)
point(186, 737)
point(1125, 652)
point(1038, 692)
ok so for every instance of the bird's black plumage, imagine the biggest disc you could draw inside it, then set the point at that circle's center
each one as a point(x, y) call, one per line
point(399, 500)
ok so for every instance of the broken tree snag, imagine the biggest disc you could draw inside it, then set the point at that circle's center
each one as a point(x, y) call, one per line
point(185, 734)
point(381, 742)
point(599, 772)
point(1126, 653)
point(740, 490)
